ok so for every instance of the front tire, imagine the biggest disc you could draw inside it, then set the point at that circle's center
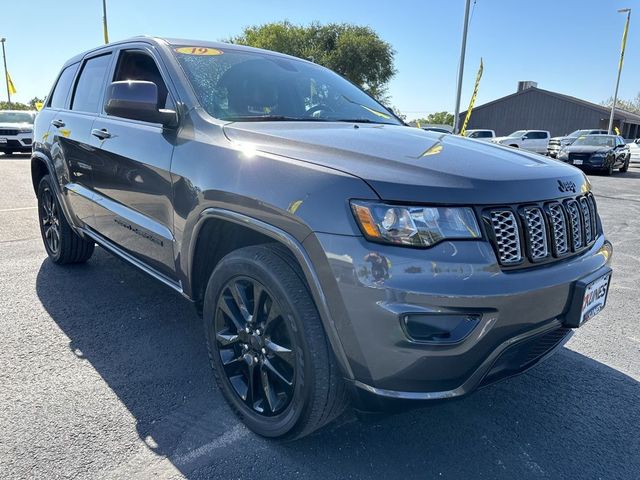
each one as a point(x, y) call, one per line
point(63, 245)
point(267, 345)
point(625, 166)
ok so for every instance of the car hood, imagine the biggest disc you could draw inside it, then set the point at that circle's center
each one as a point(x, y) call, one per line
point(587, 149)
point(412, 165)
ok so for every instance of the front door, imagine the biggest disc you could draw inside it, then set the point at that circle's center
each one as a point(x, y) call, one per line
point(132, 186)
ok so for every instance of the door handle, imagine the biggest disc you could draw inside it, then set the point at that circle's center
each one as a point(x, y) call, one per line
point(57, 123)
point(102, 134)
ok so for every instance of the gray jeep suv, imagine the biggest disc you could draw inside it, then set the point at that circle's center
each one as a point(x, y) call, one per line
point(335, 254)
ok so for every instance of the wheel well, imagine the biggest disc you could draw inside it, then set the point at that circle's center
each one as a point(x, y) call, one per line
point(216, 239)
point(38, 170)
point(514, 145)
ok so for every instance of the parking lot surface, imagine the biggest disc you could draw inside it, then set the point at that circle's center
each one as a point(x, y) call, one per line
point(104, 374)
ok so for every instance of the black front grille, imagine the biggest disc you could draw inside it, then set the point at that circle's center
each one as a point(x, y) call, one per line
point(537, 233)
point(579, 156)
point(9, 131)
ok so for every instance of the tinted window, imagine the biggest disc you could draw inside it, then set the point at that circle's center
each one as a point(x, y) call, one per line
point(86, 97)
point(63, 85)
point(137, 65)
point(536, 135)
point(481, 134)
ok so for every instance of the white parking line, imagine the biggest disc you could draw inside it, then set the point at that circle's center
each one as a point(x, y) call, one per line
point(17, 209)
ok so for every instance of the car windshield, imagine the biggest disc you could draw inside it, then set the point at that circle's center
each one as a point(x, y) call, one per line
point(518, 133)
point(596, 141)
point(239, 85)
point(16, 117)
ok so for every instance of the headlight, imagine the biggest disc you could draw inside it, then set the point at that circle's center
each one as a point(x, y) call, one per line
point(26, 130)
point(598, 154)
point(414, 226)
point(562, 154)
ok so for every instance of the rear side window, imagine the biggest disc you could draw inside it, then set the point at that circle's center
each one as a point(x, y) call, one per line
point(63, 85)
point(87, 95)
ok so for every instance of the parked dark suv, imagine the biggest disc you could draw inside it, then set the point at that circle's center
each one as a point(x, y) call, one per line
point(334, 253)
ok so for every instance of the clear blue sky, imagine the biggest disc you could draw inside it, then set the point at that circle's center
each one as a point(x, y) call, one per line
point(569, 46)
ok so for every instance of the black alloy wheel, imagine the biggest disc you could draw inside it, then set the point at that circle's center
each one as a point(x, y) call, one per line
point(269, 353)
point(50, 221)
point(62, 243)
point(256, 346)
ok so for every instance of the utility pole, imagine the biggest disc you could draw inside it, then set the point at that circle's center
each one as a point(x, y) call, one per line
point(104, 21)
point(461, 69)
point(624, 43)
point(6, 74)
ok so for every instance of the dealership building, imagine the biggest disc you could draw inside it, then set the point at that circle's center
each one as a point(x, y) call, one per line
point(532, 108)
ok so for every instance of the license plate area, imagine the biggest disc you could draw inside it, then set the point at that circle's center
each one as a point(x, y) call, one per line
point(578, 162)
point(589, 298)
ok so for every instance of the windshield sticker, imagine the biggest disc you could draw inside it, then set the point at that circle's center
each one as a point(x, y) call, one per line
point(198, 51)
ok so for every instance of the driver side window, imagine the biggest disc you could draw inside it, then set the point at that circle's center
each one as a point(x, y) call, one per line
point(138, 65)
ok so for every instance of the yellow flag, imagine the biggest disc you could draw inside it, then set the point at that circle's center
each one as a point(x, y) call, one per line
point(615, 129)
point(624, 43)
point(12, 87)
point(418, 123)
point(39, 105)
point(473, 98)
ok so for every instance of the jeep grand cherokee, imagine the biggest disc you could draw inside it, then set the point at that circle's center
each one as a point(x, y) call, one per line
point(334, 253)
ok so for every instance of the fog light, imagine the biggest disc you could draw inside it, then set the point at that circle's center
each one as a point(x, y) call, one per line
point(439, 328)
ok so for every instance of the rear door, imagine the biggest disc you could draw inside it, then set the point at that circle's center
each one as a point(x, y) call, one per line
point(133, 185)
point(70, 134)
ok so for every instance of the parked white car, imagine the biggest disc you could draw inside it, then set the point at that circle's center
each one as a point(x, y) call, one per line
point(533, 140)
point(16, 131)
point(480, 134)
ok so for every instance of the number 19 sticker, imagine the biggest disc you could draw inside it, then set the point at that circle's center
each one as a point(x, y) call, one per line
point(198, 51)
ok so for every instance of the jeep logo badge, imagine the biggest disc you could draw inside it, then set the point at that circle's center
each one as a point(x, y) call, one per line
point(566, 186)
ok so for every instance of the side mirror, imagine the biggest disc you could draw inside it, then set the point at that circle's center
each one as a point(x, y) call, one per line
point(137, 100)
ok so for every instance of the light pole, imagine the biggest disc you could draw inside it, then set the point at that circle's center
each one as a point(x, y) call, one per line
point(461, 69)
point(6, 75)
point(624, 43)
point(104, 21)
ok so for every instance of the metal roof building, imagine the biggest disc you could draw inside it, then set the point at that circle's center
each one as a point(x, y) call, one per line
point(532, 108)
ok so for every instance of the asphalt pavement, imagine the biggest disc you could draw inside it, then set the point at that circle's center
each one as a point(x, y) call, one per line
point(104, 374)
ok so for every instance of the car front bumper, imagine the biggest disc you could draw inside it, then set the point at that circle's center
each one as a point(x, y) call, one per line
point(16, 143)
point(514, 308)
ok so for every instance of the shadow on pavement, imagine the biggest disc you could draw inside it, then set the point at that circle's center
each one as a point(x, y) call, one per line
point(571, 417)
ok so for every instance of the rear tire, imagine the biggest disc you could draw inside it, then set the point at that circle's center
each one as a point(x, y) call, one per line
point(63, 245)
point(263, 328)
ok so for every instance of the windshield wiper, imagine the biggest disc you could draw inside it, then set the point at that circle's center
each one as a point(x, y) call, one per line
point(272, 118)
point(360, 120)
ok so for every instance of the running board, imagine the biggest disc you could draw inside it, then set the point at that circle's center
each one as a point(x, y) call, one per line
point(113, 248)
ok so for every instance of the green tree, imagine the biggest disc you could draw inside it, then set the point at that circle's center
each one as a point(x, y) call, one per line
point(34, 100)
point(14, 106)
point(632, 106)
point(438, 118)
point(355, 52)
